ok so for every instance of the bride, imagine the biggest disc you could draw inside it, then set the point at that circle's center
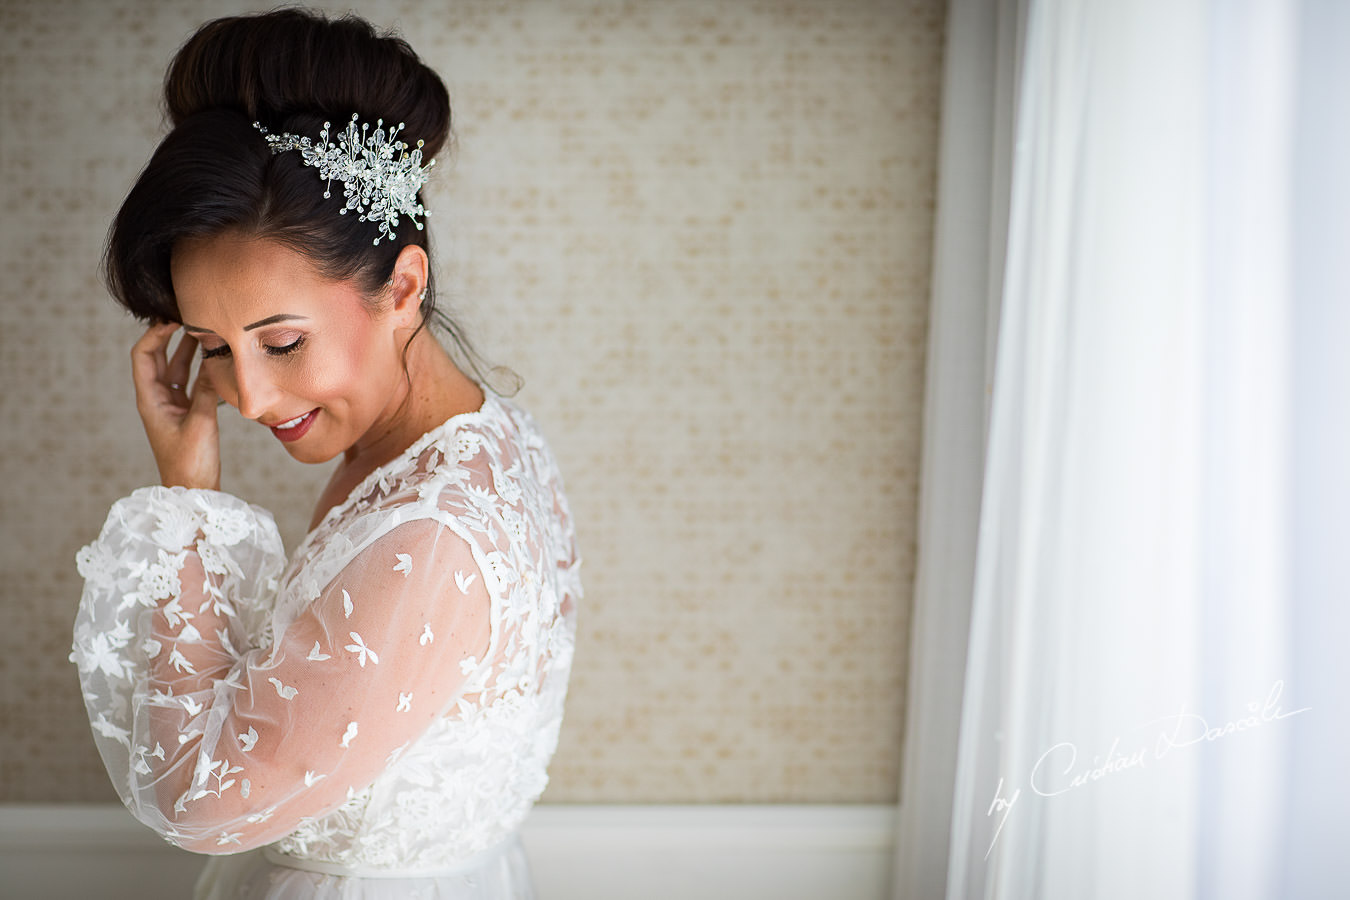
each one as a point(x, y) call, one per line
point(373, 716)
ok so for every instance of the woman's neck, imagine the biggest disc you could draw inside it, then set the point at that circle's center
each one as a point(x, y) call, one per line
point(434, 391)
point(438, 391)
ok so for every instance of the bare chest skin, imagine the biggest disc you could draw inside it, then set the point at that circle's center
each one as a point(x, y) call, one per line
point(339, 486)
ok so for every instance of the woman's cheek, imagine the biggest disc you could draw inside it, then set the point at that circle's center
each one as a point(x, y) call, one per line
point(337, 374)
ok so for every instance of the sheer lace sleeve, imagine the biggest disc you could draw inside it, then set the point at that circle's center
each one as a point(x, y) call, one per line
point(223, 736)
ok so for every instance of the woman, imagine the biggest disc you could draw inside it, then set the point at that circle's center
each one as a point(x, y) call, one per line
point(374, 716)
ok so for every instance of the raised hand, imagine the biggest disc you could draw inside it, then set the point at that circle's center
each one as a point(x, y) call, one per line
point(180, 423)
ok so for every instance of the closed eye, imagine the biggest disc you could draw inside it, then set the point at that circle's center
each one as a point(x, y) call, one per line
point(224, 349)
point(282, 351)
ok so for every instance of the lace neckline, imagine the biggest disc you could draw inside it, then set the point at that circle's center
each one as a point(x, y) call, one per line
point(490, 402)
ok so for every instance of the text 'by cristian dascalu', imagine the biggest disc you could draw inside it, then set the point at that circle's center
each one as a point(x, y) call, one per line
point(1059, 770)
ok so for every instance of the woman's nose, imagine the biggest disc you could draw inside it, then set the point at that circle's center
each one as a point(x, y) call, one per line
point(254, 390)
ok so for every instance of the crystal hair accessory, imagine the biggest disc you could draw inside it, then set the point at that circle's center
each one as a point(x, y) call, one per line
point(377, 185)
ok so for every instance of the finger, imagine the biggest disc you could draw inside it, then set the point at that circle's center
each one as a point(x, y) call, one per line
point(180, 366)
point(148, 362)
point(204, 397)
point(156, 337)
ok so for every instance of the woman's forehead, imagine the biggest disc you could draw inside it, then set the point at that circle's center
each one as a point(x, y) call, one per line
point(234, 280)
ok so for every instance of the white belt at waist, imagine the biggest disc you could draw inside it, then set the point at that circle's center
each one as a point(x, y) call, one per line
point(274, 856)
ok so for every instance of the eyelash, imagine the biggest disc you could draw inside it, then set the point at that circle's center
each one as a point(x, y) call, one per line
point(271, 351)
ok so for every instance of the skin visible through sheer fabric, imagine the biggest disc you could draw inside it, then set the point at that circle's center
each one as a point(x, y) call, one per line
point(389, 697)
point(361, 672)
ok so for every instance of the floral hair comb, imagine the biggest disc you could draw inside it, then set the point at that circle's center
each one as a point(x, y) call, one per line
point(380, 178)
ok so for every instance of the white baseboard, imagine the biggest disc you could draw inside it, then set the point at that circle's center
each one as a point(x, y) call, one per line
point(709, 852)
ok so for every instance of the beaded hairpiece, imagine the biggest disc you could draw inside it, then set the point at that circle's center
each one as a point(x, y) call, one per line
point(379, 187)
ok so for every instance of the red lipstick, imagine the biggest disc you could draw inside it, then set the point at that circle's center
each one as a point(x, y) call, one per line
point(296, 431)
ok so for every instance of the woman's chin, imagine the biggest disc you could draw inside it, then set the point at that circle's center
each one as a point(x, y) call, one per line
point(309, 453)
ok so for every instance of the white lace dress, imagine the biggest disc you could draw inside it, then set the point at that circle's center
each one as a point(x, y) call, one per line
point(373, 718)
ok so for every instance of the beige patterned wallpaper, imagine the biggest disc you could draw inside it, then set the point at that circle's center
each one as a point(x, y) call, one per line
point(699, 229)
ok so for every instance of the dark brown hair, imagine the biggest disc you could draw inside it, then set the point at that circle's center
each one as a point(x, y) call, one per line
point(290, 70)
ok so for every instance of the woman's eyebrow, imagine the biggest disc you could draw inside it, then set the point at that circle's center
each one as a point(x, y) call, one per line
point(279, 317)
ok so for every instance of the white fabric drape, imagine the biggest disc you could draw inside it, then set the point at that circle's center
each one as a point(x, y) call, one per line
point(970, 235)
point(1136, 678)
point(1318, 785)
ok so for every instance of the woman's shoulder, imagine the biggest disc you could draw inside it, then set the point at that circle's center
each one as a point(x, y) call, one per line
point(475, 457)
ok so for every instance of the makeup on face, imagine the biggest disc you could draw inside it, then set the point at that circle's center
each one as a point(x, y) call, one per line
point(297, 352)
point(296, 428)
point(279, 345)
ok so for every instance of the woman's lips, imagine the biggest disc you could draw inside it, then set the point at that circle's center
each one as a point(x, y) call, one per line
point(295, 428)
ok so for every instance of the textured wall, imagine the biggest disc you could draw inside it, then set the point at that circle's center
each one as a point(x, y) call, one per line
point(699, 229)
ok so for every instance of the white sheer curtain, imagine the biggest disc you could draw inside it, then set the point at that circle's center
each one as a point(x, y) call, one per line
point(1147, 699)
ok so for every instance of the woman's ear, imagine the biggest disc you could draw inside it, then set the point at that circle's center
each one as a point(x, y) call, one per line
point(408, 286)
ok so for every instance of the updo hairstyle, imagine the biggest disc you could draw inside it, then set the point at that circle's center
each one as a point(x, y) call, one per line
point(291, 70)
